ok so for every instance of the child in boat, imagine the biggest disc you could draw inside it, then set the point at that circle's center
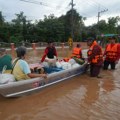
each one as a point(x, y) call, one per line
point(5, 60)
point(21, 69)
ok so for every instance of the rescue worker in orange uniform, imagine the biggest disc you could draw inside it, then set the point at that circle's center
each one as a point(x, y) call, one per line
point(112, 53)
point(77, 51)
point(95, 57)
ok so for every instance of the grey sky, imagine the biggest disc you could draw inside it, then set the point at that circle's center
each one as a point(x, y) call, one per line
point(86, 8)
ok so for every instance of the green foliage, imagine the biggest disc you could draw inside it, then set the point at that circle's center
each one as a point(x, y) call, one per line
point(77, 24)
point(16, 39)
point(51, 28)
point(58, 29)
point(1, 19)
point(113, 23)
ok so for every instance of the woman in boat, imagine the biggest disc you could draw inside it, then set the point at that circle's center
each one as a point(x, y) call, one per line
point(21, 69)
point(50, 54)
point(5, 60)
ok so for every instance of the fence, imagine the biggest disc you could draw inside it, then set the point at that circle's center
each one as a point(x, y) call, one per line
point(31, 45)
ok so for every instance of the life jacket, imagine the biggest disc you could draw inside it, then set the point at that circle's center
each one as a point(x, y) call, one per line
point(111, 52)
point(51, 52)
point(66, 59)
point(98, 57)
point(76, 52)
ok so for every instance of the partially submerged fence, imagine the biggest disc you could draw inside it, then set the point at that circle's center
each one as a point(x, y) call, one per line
point(31, 45)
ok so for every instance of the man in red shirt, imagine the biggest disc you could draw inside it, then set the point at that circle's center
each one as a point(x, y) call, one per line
point(112, 53)
point(50, 52)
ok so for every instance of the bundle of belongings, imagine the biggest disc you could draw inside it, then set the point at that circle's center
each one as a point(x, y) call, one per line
point(58, 65)
point(6, 77)
point(70, 64)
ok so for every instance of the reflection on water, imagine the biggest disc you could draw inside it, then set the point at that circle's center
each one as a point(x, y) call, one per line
point(80, 98)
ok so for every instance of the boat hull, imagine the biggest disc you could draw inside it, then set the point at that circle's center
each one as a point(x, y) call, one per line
point(26, 87)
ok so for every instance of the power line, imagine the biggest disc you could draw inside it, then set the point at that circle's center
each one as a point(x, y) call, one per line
point(96, 3)
point(66, 7)
point(92, 4)
point(35, 2)
point(41, 3)
point(89, 5)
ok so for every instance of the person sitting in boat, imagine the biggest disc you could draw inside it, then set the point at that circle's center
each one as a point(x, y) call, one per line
point(77, 54)
point(50, 54)
point(21, 69)
point(77, 51)
point(5, 60)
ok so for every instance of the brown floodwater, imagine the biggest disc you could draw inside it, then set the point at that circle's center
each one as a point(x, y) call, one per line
point(80, 98)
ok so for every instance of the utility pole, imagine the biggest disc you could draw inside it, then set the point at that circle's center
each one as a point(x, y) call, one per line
point(99, 18)
point(72, 5)
point(100, 13)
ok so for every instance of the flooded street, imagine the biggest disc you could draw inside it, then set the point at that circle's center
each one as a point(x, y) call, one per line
point(79, 98)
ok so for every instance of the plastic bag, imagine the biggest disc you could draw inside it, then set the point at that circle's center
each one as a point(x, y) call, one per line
point(72, 61)
point(76, 65)
point(58, 65)
point(66, 65)
point(6, 78)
